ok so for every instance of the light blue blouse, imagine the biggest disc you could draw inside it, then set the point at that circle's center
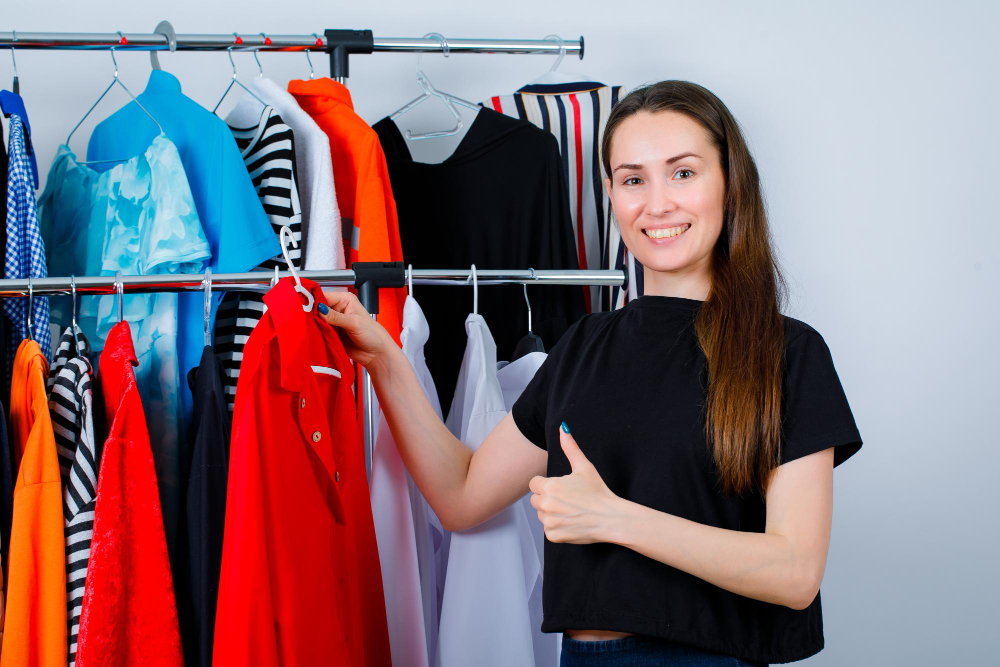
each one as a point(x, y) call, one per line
point(137, 217)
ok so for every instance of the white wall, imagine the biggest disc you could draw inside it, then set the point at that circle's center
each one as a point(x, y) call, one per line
point(874, 127)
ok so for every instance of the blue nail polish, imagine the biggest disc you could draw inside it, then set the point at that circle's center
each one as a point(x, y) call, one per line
point(323, 308)
point(565, 427)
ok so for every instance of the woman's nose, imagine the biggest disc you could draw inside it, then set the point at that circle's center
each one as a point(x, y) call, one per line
point(661, 200)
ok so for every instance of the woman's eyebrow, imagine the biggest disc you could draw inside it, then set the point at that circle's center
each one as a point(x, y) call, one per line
point(636, 167)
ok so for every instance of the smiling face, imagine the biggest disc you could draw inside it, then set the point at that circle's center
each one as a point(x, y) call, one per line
point(667, 189)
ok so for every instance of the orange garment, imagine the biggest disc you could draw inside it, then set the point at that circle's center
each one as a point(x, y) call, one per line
point(367, 209)
point(35, 632)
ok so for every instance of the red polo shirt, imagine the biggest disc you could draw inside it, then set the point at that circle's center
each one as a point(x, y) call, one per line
point(300, 583)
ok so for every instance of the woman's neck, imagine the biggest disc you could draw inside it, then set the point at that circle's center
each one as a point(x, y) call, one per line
point(688, 285)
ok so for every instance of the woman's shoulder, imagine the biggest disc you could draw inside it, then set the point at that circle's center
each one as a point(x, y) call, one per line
point(796, 329)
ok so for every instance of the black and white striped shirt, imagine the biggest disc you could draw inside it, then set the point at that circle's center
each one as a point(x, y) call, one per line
point(268, 150)
point(71, 407)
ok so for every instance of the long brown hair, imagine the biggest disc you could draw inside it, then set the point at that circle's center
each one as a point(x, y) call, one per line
point(739, 327)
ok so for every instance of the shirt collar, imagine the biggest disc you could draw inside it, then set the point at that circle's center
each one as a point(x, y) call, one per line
point(161, 82)
point(292, 326)
point(322, 87)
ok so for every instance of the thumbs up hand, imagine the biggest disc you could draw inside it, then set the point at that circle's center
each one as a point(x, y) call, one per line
point(577, 508)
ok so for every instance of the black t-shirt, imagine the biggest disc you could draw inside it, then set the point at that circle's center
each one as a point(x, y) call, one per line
point(499, 202)
point(631, 386)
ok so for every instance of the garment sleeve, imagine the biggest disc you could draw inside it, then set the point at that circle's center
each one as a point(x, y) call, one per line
point(530, 410)
point(815, 411)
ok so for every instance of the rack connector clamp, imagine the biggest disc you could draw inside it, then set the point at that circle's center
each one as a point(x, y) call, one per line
point(341, 43)
point(370, 276)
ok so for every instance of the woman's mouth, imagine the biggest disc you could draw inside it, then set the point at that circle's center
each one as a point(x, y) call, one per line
point(664, 233)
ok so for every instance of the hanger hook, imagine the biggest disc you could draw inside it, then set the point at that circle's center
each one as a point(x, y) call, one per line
point(267, 40)
point(12, 59)
point(113, 60)
point(206, 283)
point(229, 51)
point(445, 49)
point(286, 233)
point(31, 303)
point(562, 51)
point(475, 291)
point(525, 286)
point(312, 72)
point(274, 280)
point(72, 320)
point(120, 290)
point(409, 280)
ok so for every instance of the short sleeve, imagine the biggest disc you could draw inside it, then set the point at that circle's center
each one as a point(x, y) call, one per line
point(531, 407)
point(815, 411)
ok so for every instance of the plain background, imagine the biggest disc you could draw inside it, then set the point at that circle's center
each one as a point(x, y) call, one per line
point(874, 127)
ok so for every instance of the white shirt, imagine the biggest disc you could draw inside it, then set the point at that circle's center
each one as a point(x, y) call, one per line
point(409, 535)
point(321, 217)
point(493, 568)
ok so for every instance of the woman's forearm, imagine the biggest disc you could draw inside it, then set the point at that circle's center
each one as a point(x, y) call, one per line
point(757, 565)
point(436, 459)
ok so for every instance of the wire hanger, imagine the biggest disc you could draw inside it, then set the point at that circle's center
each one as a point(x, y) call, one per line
point(31, 307)
point(267, 40)
point(16, 86)
point(72, 319)
point(312, 72)
point(206, 283)
point(475, 291)
point(120, 291)
point(525, 286)
point(229, 52)
point(310, 299)
point(409, 280)
point(110, 86)
point(431, 91)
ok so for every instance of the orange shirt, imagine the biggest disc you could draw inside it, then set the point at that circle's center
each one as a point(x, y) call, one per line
point(367, 209)
point(35, 632)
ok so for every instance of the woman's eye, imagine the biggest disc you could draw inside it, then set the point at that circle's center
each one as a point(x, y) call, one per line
point(632, 180)
point(685, 171)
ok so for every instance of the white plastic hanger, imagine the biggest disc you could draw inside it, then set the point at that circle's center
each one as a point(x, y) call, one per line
point(431, 91)
point(553, 76)
point(310, 299)
point(110, 86)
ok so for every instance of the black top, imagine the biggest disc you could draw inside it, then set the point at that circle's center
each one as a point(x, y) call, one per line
point(199, 535)
point(630, 385)
point(499, 202)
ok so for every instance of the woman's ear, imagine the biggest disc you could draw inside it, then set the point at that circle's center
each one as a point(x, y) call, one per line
point(607, 187)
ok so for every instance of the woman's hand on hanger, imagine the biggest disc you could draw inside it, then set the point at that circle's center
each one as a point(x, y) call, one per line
point(365, 340)
point(578, 508)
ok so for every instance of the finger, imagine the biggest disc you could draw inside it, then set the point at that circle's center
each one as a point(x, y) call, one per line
point(345, 302)
point(335, 318)
point(536, 501)
point(577, 461)
point(537, 484)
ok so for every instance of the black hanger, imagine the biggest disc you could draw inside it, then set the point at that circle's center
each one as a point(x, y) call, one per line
point(530, 343)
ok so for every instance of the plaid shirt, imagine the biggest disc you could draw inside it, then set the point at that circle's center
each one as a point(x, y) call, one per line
point(25, 252)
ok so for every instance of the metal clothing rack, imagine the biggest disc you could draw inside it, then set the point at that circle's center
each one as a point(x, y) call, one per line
point(366, 277)
point(338, 44)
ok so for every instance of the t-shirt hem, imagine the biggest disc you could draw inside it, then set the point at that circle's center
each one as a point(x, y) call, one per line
point(661, 629)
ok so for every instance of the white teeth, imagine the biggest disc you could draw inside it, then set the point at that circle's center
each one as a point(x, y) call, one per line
point(666, 233)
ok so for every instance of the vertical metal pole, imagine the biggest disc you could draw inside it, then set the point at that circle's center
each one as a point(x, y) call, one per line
point(370, 417)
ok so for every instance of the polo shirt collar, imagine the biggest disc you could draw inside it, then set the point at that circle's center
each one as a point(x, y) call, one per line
point(292, 325)
point(161, 82)
point(323, 87)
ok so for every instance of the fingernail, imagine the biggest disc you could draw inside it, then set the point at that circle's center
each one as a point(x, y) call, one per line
point(323, 308)
point(565, 427)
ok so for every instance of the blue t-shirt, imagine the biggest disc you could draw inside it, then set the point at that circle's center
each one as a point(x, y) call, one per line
point(238, 231)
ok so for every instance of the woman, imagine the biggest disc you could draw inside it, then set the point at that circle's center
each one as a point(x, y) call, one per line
point(680, 450)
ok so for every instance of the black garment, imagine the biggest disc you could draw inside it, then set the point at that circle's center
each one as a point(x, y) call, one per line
point(631, 386)
point(199, 533)
point(498, 202)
